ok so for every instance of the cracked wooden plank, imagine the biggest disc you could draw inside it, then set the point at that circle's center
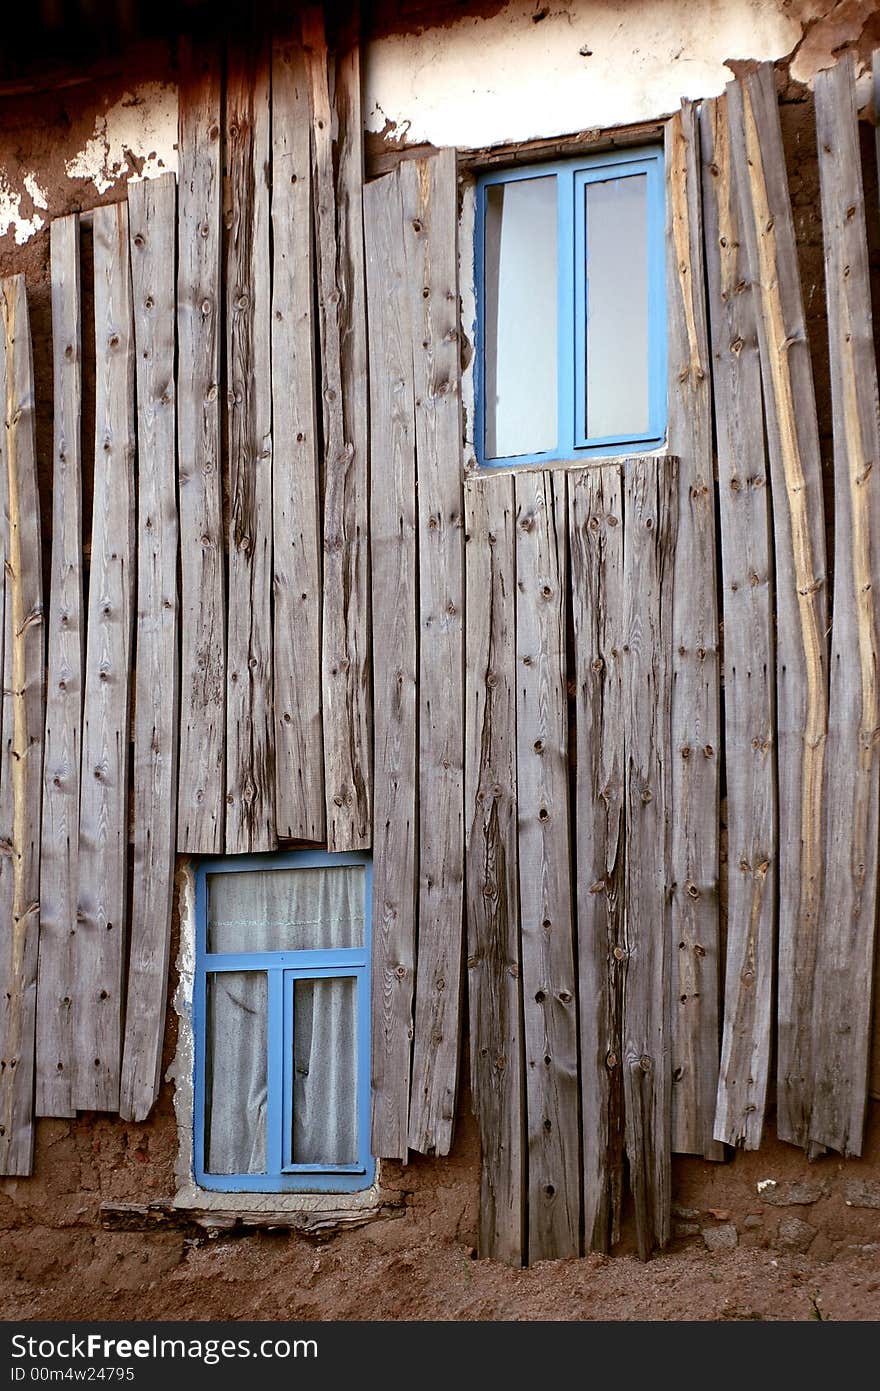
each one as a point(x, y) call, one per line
point(694, 920)
point(21, 759)
point(749, 662)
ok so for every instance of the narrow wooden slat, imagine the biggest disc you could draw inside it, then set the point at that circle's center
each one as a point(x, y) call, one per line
point(342, 319)
point(103, 821)
point(21, 765)
point(429, 199)
point(152, 231)
point(395, 594)
point(596, 545)
point(747, 588)
point(250, 773)
point(296, 514)
point(493, 946)
point(201, 777)
point(651, 501)
point(694, 921)
point(767, 232)
point(59, 850)
point(845, 948)
point(549, 986)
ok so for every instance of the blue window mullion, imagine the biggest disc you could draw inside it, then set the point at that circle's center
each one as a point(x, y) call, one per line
point(275, 1058)
point(657, 366)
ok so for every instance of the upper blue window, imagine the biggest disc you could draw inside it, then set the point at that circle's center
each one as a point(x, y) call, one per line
point(571, 309)
point(281, 1020)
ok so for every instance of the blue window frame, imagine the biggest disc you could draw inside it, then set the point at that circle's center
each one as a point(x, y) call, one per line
point(284, 972)
point(582, 300)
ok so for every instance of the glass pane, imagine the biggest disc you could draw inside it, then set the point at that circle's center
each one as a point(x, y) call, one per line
point(235, 1076)
point(617, 307)
point(520, 308)
point(287, 909)
point(325, 1072)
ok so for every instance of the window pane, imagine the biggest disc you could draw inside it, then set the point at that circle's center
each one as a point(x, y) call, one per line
point(325, 1072)
point(287, 909)
point(520, 308)
point(235, 1073)
point(617, 307)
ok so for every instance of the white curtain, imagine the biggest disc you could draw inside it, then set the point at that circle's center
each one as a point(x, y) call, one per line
point(286, 909)
point(283, 910)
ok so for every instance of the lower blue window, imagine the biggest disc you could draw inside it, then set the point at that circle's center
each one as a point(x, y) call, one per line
point(281, 1017)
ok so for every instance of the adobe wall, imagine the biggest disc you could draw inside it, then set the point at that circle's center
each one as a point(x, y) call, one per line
point(72, 148)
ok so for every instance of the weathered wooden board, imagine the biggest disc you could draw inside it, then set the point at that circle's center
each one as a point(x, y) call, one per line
point(694, 918)
point(21, 761)
point(201, 774)
point(749, 663)
point(767, 233)
point(494, 958)
point(596, 546)
point(549, 985)
point(845, 947)
point(103, 820)
point(394, 551)
point(651, 502)
point(250, 772)
point(296, 483)
point(428, 195)
point(59, 846)
point(339, 248)
point(152, 231)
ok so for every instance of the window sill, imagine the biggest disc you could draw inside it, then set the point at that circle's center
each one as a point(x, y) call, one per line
point(223, 1212)
point(576, 465)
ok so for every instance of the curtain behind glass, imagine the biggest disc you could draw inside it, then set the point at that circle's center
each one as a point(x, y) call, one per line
point(235, 1109)
point(286, 909)
point(325, 1072)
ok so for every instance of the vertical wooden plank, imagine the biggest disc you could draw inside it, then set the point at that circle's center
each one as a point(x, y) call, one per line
point(342, 318)
point(494, 956)
point(152, 230)
point(395, 598)
point(296, 513)
point(201, 778)
point(845, 947)
point(103, 821)
point(694, 921)
point(21, 766)
point(545, 889)
point(596, 545)
point(59, 849)
point(651, 502)
point(799, 537)
point(429, 200)
point(747, 589)
point(250, 773)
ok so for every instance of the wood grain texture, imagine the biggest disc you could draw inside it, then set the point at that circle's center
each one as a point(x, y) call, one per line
point(549, 984)
point(59, 845)
point(296, 482)
point(103, 821)
point(749, 662)
point(202, 761)
point(596, 547)
point(250, 772)
point(767, 232)
point(339, 249)
point(651, 501)
point(152, 232)
point(845, 946)
point(694, 921)
point(21, 760)
point(429, 198)
point(394, 552)
point(494, 958)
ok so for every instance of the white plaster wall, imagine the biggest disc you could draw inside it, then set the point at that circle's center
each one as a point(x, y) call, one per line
point(135, 137)
point(586, 64)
